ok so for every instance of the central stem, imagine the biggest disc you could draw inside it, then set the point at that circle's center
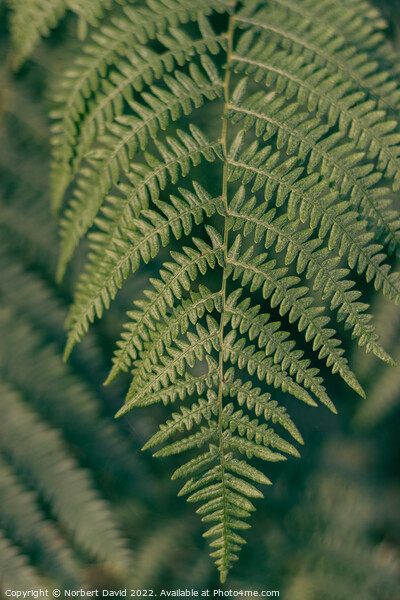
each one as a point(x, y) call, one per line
point(224, 133)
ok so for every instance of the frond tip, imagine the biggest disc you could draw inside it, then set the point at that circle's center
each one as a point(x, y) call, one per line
point(273, 205)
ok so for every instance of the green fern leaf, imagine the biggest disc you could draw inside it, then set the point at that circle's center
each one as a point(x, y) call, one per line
point(14, 567)
point(46, 453)
point(260, 262)
point(22, 516)
point(33, 20)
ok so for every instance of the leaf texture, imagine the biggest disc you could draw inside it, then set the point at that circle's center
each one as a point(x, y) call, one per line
point(250, 152)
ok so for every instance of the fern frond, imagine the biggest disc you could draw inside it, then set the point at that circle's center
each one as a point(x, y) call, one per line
point(176, 277)
point(43, 401)
point(237, 350)
point(78, 126)
point(311, 200)
point(224, 496)
point(22, 516)
point(162, 338)
point(141, 242)
point(46, 453)
point(222, 485)
point(181, 388)
point(317, 87)
point(148, 181)
point(90, 12)
point(292, 300)
point(333, 156)
point(57, 392)
point(303, 171)
point(176, 362)
point(183, 420)
point(32, 20)
point(261, 403)
point(318, 263)
point(14, 567)
point(360, 22)
point(180, 154)
point(252, 430)
point(274, 342)
point(122, 135)
point(309, 40)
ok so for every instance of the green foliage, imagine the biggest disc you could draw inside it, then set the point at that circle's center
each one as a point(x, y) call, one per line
point(34, 19)
point(258, 144)
point(382, 383)
point(55, 517)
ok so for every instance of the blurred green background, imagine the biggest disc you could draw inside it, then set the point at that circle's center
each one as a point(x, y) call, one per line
point(80, 505)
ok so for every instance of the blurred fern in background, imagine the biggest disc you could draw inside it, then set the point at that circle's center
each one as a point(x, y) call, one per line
point(78, 506)
point(60, 451)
